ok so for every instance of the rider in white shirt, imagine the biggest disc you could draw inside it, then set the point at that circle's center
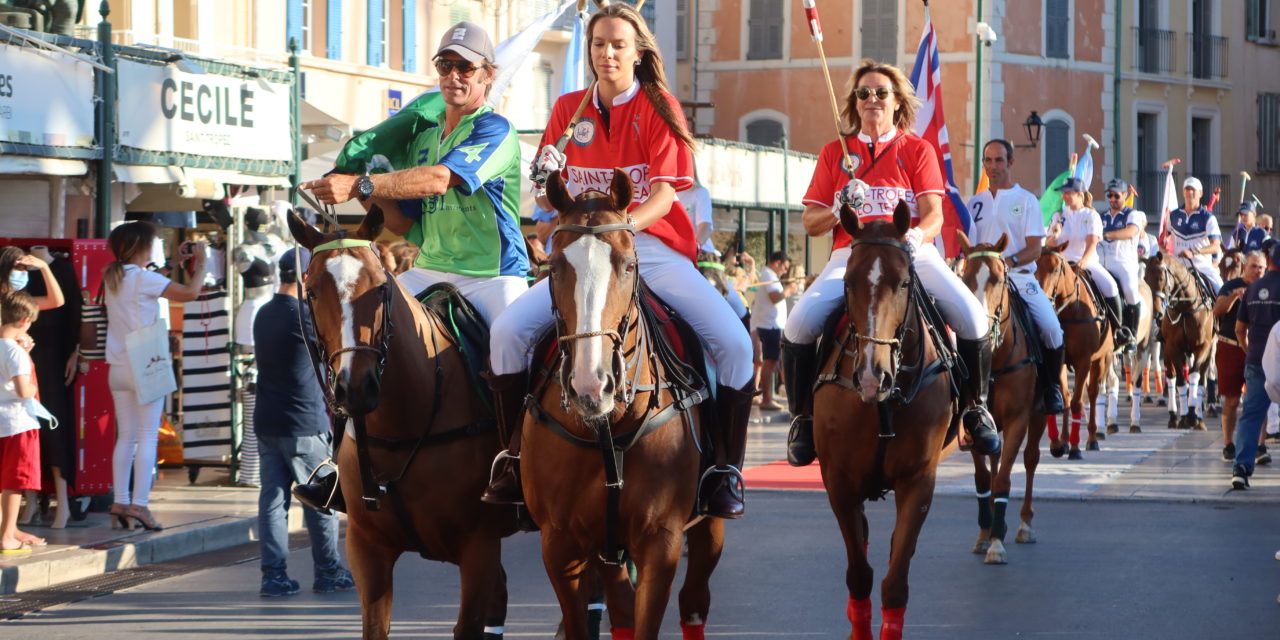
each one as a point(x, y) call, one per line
point(1008, 209)
point(1196, 236)
point(1082, 231)
point(1122, 229)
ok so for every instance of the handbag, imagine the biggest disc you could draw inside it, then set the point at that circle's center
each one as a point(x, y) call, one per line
point(149, 358)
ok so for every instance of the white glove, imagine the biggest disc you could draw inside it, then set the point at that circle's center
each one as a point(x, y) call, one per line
point(853, 194)
point(914, 237)
point(549, 159)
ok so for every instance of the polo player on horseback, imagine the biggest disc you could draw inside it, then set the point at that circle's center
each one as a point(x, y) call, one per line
point(891, 164)
point(1080, 226)
point(1122, 229)
point(1009, 210)
point(1196, 236)
point(461, 204)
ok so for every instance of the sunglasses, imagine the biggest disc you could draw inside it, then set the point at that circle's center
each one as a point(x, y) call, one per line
point(445, 66)
point(1113, 196)
point(881, 93)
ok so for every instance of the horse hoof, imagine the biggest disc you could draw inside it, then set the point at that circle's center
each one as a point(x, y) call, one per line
point(982, 544)
point(1199, 425)
point(1173, 422)
point(996, 554)
point(1102, 436)
point(1133, 428)
point(1075, 455)
point(1113, 428)
point(1093, 446)
point(1162, 402)
point(1026, 535)
point(1057, 451)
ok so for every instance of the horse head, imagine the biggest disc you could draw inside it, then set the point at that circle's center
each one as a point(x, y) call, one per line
point(712, 268)
point(1053, 272)
point(594, 288)
point(1232, 265)
point(1167, 277)
point(348, 290)
point(877, 290)
point(985, 272)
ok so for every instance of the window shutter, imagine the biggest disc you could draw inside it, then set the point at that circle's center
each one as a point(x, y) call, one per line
point(1057, 17)
point(410, 25)
point(682, 29)
point(1057, 149)
point(776, 20)
point(333, 30)
point(293, 24)
point(374, 44)
point(755, 30)
point(765, 132)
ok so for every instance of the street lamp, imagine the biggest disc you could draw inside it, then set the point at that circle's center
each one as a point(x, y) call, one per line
point(1033, 125)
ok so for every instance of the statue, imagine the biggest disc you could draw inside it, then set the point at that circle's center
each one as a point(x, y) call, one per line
point(51, 16)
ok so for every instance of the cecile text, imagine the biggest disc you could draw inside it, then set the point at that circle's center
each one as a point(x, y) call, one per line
point(212, 105)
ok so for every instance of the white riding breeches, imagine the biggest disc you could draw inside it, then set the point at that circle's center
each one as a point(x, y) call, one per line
point(1106, 284)
point(962, 311)
point(1211, 274)
point(1041, 308)
point(1126, 275)
point(674, 279)
point(490, 295)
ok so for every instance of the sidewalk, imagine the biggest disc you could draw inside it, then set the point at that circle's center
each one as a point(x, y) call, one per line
point(1157, 464)
point(207, 516)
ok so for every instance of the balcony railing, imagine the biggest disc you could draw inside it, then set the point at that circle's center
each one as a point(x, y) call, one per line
point(1207, 56)
point(1226, 207)
point(1150, 186)
point(196, 47)
point(1154, 50)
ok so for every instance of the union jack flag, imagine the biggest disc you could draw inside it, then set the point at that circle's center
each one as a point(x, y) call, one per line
point(926, 76)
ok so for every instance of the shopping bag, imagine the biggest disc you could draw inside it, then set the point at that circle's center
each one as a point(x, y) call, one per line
point(148, 350)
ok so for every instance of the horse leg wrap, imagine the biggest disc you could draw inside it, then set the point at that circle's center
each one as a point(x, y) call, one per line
point(1001, 504)
point(1135, 409)
point(1051, 422)
point(1193, 391)
point(493, 629)
point(693, 631)
point(891, 621)
point(1128, 380)
point(1075, 429)
point(984, 508)
point(1183, 395)
point(622, 633)
point(859, 612)
point(595, 612)
point(1113, 406)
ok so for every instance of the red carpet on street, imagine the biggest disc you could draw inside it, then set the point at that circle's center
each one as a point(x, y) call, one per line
point(780, 475)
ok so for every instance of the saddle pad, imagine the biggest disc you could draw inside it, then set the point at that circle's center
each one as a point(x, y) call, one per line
point(465, 325)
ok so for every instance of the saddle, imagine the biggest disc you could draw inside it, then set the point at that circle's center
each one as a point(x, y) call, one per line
point(1021, 314)
point(1207, 294)
point(1099, 302)
point(466, 326)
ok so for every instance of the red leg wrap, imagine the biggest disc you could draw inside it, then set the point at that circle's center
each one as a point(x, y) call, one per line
point(860, 617)
point(693, 631)
point(1075, 429)
point(891, 621)
point(1051, 421)
point(622, 633)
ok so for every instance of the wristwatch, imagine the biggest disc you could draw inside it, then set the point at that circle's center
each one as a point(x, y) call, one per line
point(1014, 259)
point(364, 187)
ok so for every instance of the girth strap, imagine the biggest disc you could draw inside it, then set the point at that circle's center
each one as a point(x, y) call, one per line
point(370, 490)
point(433, 439)
point(626, 441)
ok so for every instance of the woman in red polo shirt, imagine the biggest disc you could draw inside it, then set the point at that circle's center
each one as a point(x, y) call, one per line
point(632, 122)
point(891, 164)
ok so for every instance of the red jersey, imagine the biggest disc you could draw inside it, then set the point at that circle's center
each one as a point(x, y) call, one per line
point(904, 167)
point(639, 142)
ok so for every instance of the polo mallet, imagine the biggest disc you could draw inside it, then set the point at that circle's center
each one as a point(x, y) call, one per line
point(1092, 143)
point(1256, 201)
point(815, 31)
point(1244, 181)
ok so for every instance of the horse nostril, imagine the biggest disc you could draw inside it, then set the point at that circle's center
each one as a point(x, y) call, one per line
point(608, 384)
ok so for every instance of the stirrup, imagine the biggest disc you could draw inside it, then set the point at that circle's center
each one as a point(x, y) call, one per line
point(735, 478)
point(327, 505)
point(505, 454)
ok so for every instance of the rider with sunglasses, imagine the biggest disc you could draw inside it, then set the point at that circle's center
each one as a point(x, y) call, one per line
point(891, 164)
point(1122, 229)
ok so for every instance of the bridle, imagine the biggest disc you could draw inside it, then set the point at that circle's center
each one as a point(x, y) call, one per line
point(626, 389)
point(996, 318)
point(894, 343)
point(1168, 295)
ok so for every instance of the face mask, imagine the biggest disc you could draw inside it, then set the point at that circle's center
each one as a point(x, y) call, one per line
point(18, 279)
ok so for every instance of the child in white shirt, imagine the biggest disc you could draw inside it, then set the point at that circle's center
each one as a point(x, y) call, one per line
point(19, 430)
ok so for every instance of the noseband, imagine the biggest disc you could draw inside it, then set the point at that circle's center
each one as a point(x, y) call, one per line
point(997, 317)
point(625, 392)
point(894, 343)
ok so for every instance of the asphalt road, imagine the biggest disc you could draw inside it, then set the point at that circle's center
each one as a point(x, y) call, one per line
point(1101, 569)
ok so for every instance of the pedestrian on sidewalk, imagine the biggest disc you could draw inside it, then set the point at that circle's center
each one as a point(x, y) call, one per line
point(1257, 316)
point(1229, 356)
point(768, 316)
point(133, 302)
point(19, 430)
point(294, 436)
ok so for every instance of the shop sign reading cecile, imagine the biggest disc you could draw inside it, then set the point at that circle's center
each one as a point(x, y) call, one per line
point(164, 109)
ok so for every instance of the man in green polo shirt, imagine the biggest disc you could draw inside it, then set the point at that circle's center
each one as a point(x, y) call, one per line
point(460, 203)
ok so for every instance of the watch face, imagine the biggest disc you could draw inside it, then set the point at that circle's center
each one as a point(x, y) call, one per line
point(365, 185)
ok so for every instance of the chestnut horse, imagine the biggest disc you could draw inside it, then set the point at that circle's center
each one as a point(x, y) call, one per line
point(416, 484)
point(1014, 401)
point(883, 409)
point(610, 396)
point(1089, 346)
point(1187, 329)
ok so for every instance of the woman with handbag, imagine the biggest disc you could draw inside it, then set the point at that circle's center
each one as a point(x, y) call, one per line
point(133, 311)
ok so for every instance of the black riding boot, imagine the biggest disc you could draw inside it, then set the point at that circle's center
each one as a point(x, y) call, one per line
point(721, 491)
point(1114, 310)
point(1050, 376)
point(1131, 313)
point(508, 404)
point(324, 495)
point(977, 421)
point(799, 369)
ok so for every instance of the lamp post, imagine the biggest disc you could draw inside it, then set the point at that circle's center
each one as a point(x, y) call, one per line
point(295, 99)
point(1033, 125)
point(977, 102)
point(106, 125)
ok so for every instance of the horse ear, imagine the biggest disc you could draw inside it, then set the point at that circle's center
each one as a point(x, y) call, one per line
point(963, 239)
point(848, 220)
point(1002, 243)
point(306, 235)
point(558, 193)
point(371, 226)
point(1062, 247)
point(902, 217)
point(621, 190)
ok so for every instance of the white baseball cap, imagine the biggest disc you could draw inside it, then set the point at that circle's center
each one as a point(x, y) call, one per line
point(1193, 182)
